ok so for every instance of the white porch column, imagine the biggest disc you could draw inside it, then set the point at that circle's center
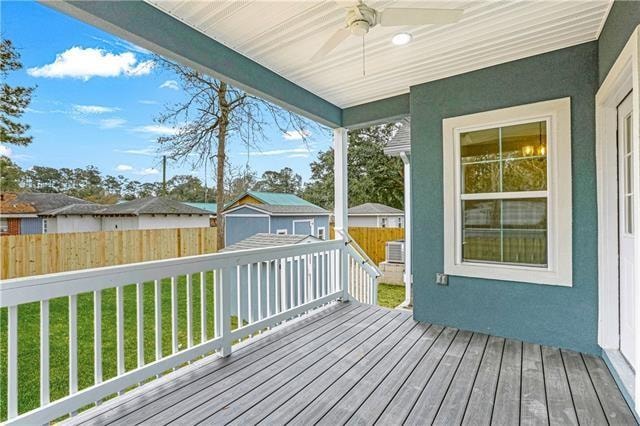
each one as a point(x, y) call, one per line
point(341, 201)
point(408, 276)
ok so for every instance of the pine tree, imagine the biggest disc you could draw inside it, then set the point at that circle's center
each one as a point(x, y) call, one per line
point(13, 100)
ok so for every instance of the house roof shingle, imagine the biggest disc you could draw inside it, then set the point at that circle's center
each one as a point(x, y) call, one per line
point(75, 209)
point(36, 202)
point(279, 199)
point(151, 205)
point(401, 141)
point(268, 240)
point(374, 208)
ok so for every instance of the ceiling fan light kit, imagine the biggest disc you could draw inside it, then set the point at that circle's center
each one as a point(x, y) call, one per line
point(401, 39)
point(360, 19)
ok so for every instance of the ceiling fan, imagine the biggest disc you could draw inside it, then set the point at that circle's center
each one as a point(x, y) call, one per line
point(361, 18)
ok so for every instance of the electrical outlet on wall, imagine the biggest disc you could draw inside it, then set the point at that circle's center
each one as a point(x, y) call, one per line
point(442, 279)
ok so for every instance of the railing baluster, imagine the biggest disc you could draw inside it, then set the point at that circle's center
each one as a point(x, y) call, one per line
point(249, 294)
point(238, 297)
point(299, 283)
point(316, 267)
point(324, 275)
point(44, 352)
point(269, 288)
point(157, 285)
point(259, 281)
point(224, 317)
point(97, 336)
point(217, 303)
point(174, 315)
point(73, 344)
point(290, 286)
point(120, 329)
point(189, 313)
point(12, 362)
point(203, 307)
point(140, 322)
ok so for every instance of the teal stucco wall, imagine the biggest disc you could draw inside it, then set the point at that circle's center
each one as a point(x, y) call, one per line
point(551, 315)
point(624, 17)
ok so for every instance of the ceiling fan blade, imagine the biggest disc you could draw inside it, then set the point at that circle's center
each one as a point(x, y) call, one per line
point(333, 42)
point(417, 16)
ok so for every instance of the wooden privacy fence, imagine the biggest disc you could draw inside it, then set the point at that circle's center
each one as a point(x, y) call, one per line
point(28, 255)
point(373, 240)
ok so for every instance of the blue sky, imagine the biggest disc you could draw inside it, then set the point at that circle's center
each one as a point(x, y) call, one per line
point(97, 96)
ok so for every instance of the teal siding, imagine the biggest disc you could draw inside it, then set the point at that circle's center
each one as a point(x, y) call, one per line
point(623, 18)
point(376, 112)
point(551, 315)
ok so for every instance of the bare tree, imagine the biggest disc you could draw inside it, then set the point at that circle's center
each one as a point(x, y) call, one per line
point(212, 112)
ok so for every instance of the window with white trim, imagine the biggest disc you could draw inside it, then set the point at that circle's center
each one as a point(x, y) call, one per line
point(4, 225)
point(321, 233)
point(45, 226)
point(508, 194)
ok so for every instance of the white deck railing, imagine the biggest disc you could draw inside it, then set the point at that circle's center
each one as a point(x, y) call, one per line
point(260, 288)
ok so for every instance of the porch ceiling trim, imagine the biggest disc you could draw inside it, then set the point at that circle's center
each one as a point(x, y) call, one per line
point(148, 27)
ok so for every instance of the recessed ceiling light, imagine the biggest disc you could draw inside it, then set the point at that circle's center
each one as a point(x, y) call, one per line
point(401, 39)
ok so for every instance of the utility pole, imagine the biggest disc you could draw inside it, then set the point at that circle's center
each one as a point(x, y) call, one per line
point(164, 175)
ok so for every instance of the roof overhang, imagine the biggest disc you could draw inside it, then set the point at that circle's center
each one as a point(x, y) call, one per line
point(18, 215)
point(264, 47)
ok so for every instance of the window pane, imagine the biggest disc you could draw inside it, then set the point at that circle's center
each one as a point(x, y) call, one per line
point(524, 225)
point(481, 145)
point(507, 231)
point(524, 155)
point(481, 230)
point(480, 177)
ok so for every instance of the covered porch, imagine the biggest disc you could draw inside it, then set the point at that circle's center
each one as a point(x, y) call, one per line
point(529, 334)
point(353, 363)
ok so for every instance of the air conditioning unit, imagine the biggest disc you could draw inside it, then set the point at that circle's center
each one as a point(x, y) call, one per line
point(395, 251)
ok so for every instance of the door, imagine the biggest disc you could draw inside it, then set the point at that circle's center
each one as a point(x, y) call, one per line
point(626, 230)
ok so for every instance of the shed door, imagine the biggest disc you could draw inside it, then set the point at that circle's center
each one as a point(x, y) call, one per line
point(627, 231)
point(303, 227)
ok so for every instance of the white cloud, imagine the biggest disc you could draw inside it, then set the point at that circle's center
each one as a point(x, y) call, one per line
point(5, 151)
point(147, 102)
point(111, 123)
point(156, 129)
point(170, 84)
point(93, 109)
point(123, 44)
point(81, 63)
point(275, 152)
point(124, 168)
point(148, 151)
point(299, 155)
point(296, 135)
point(148, 171)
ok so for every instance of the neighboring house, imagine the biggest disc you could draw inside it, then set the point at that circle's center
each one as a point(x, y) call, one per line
point(146, 213)
point(273, 213)
point(375, 215)
point(19, 212)
point(210, 207)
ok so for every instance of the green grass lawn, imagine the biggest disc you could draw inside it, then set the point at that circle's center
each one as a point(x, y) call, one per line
point(390, 295)
point(29, 336)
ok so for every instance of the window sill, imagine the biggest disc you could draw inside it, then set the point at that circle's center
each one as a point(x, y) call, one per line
point(521, 274)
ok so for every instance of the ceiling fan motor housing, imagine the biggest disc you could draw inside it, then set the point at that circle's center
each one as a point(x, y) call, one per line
point(360, 19)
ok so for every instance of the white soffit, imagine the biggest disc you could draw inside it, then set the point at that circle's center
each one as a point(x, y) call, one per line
point(283, 35)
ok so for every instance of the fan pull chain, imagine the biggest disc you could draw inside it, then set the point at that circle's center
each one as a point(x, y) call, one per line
point(364, 73)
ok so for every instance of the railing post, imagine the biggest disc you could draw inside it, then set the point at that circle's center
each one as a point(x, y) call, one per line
point(340, 148)
point(225, 310)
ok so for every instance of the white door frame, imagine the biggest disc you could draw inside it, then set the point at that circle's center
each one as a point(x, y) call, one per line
point(311, 225)
point(622, 78)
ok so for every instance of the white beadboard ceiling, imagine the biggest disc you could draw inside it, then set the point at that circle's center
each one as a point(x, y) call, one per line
point(283, 35)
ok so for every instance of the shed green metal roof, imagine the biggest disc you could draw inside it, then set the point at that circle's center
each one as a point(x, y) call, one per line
point(204, 206)
point(279, 199)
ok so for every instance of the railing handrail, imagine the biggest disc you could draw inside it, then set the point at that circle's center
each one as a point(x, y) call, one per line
point(357, 251)
point(17, 291)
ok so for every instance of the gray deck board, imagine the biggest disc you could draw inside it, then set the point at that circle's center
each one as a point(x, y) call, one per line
point(533, 409)
point(480, 405)
point(506, 409)
point(358, 364)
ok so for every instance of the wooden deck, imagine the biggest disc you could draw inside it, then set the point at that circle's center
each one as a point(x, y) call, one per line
point(359, 364)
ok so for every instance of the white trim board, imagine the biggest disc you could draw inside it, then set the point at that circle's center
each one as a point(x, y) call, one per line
point(621, 79)
point(557, 114)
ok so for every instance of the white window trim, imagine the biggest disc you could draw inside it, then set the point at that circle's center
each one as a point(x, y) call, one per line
point(282, 232)
point(559, 213)
point(324, 234)
point(45, 226)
